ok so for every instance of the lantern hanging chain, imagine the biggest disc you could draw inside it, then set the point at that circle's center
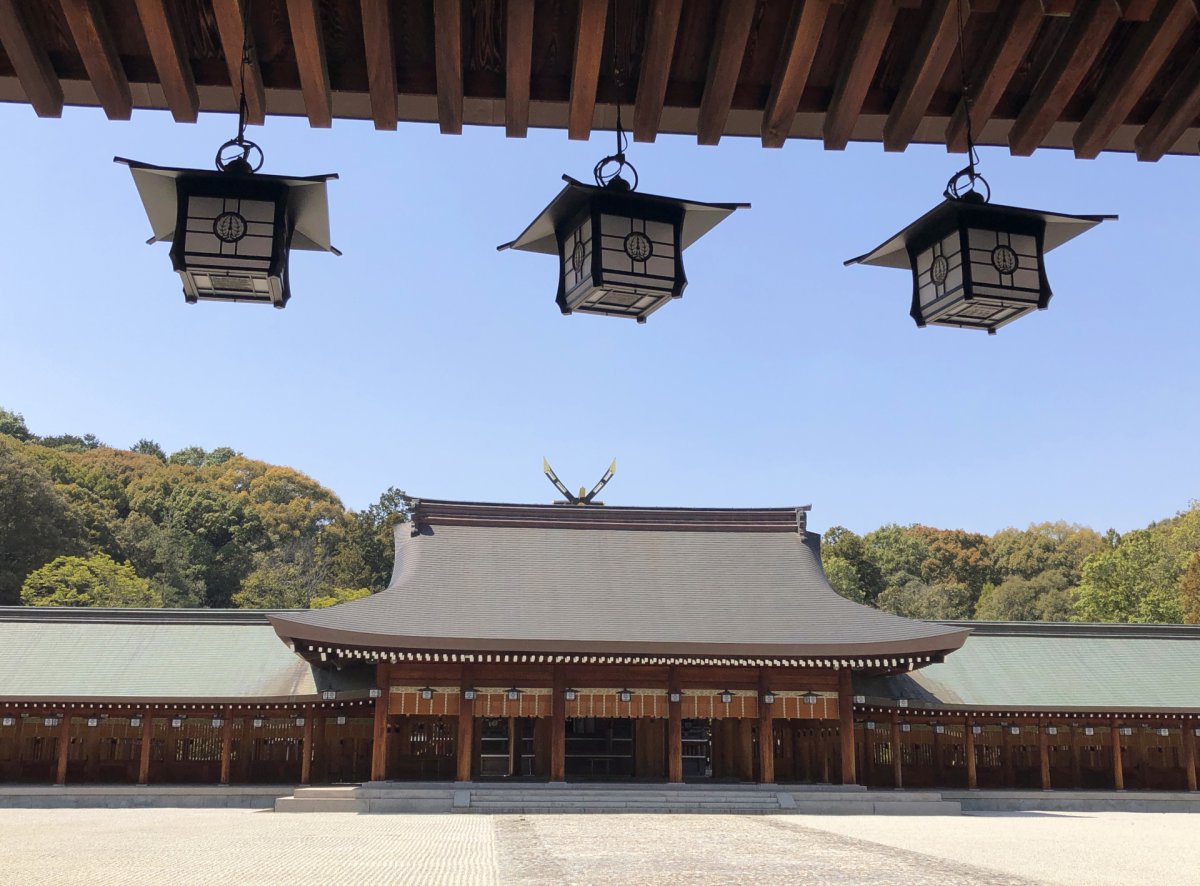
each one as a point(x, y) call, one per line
point(239, 159)
point(966, 180)
point(608, 171)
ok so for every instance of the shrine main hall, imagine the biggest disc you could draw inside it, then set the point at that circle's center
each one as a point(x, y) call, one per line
point(552, 643)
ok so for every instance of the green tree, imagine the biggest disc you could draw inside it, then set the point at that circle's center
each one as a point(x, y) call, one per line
point(1133, 582)
point(88, 581)
point(840, 542)
point(1045, 547)
point(13, 424)
point(916, 599)
point(338, 595)
point(71, 442)
point(1189, 591)
point(843, 577)
point(149, 447)
point(1045, 597)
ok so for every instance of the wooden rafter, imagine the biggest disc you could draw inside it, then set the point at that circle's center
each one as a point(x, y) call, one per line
point(90, 32)
point(932, 54)
point(170, 54)
point(662, 29)
point(724, 65)
point(795, 64)
point(309, 43)
point(861, 58)
point(1090, 26)
point(518, 67)
point(381, 62)
point(230, 15)
point(1005, 49)
point(30, 62)
point(1126, 82)
point(447, 50)
point(1175, 113)
point(585, 71)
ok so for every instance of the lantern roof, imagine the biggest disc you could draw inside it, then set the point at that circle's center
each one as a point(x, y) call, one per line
point(698, 218)
point(308, 201)
point(1060, 228)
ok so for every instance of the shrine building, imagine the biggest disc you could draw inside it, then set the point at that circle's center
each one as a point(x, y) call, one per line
point(577, 643)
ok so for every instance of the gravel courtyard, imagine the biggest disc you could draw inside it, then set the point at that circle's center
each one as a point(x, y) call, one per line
point(185, 846)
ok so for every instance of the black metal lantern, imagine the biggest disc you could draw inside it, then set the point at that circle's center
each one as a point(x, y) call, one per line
point(570, 694)
point(469, 694)
point(726, 696)
point(624, 695)
point(620, 253)
point(426, 693)
point(513, 694)
point(768, 697)
point(809, 698)
point(674, 696)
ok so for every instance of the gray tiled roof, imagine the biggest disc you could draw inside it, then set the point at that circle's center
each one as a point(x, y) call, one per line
point(544, 579)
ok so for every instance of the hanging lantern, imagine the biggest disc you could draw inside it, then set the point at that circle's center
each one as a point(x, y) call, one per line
point(513, 694)
point(258, 722)
point(726, 696)
point(8, 721)
point(1052, 730)
point(674, 696)
point(426, 693)
point(374, 692)
point(809, 698)
point(176, 722)
point(470, 694)
point(870, 724)
point(570, 694)
point(218, 722)
point(135, 720)
point(939, 728)
point(768, 697)
point(620, 253)
point(93, 721)
point(906, 726)
point(340, 720)
point(52, 720)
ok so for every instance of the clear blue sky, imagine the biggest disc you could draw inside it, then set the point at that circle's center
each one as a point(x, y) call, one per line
point(426, 360)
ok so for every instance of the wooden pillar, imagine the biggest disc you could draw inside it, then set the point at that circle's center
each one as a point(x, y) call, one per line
point(937, 754)
point(558, 728)
point(1044, 755)
point(1076, 773)
point(1117, 764)
point(306, 748)
point(465, 744)
point(969, 742)
point(1006, 753)
point(1189, 753)
point(513, 746)
point(64, 745)
point(745, 752)
point(766, 734)
point(379, 734)
point(144, 755)
point(846, 724)
point(674, 731)
point(866, 772)
point(897, 774)
point(227, 745)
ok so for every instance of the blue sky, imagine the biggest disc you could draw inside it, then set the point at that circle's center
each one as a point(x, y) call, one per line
point(426, 360)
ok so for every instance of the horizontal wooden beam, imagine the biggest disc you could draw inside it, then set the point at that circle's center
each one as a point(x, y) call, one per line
point(30, 62)
point(518, 67)
point(662, 29)
point(585, 71)
point(795, 63)
point(171, 60)
point(380, 50)
point(229, 15)
point(1128, 79)
point(308, 42)
point(1086, 35)
point(861, 57)
point(930, 57)
point(92, 38)
point(724, 65)
point(1174, 115)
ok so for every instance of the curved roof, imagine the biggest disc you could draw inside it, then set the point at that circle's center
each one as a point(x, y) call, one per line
point(649, 581)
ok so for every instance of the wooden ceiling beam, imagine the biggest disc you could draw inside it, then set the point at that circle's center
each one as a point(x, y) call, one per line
point(448, 64)
point(30, 62)
point(724, 65)
point(518, 67)
point(1174, 115)
point(1004, 51)
point(1086, 34)
point(171, 59)
point(585, 71)
point(795, 63)
point(308, 42)
point(92, 38)
point(380, 50)
point(662, 29)
point(930, 58)
point(1132, 74)
point(229, 15)
point(859, 61)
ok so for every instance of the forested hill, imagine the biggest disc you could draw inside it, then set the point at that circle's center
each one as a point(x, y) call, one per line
point(83, 524)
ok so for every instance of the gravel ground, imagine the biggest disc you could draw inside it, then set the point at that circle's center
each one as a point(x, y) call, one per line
point(186, 846)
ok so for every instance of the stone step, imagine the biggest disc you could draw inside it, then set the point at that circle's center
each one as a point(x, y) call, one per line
point(342, 792)
point(383, 807)
point(596, 810)
point(401, 793)
point(329, 804)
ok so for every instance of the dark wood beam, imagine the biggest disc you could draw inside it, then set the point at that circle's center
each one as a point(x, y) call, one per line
point(447, 50)
point(1129, 78)
point(171, 59)
point(724, 64)
point(795, 63)
point(1137, 10)
point(859, 61)
point(930, 57)
point(229, 15)
point(1004, 50)
point(381, 62)
point(518, 67)
point(1174, 115)
point(308, 41)
point(90, 32)
point(1086, 34)
point(585, 72)
point(662, 28)
point(30, 62)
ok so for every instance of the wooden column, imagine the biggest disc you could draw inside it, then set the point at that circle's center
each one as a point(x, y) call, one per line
point(674, 731)
point(144, 756)
point(379, 734)
point(558, 728)
point(1044, 755)
point(465, 744)
point(64, 745)
point(1076, 774)
point(969, 742)
point(318, 755)
point(766, 734)
point(514, 752)
point(306, 748)
point(937, 754)
point(897, 774)
point(1189, 753)
point(1117, 764)
point(867, 772)
point(846, 724)
point(1006, 752)
point(745, 752)
point(226, 744)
